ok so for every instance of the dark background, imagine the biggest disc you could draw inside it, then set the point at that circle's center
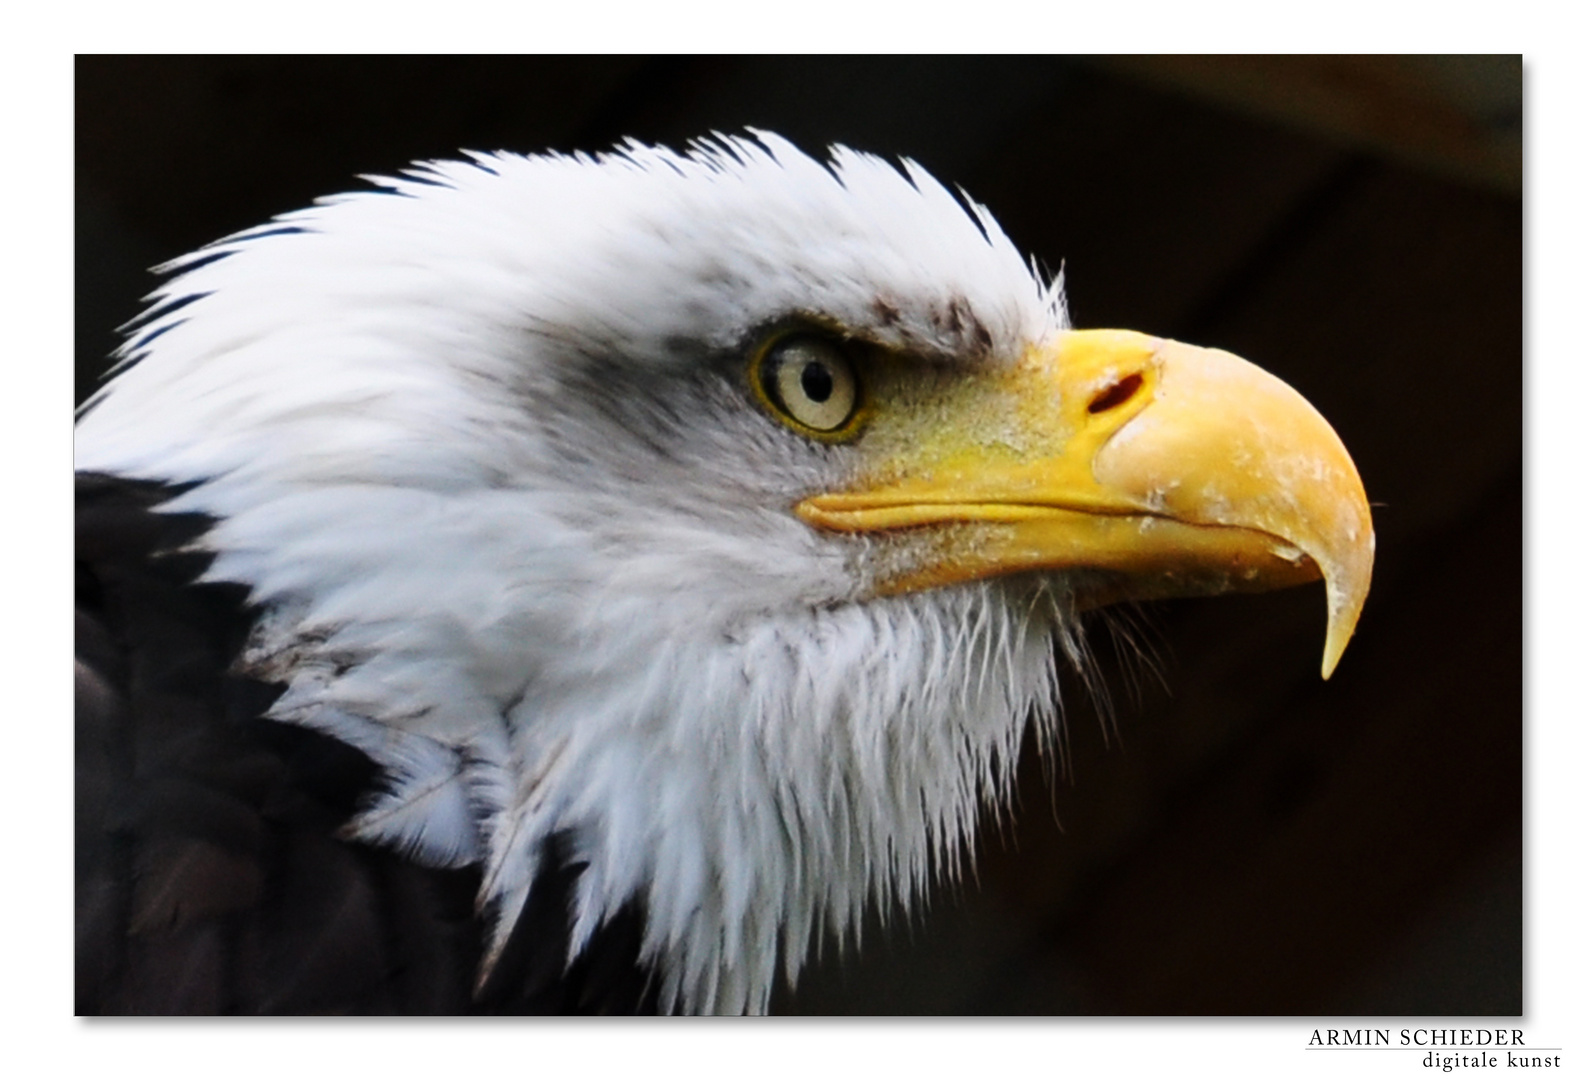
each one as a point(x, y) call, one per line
point(1242, 838)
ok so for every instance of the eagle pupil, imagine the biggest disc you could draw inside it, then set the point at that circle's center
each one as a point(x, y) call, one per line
point(816, 380)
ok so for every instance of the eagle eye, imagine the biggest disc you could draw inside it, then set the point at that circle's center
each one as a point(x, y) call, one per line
point(811, 383)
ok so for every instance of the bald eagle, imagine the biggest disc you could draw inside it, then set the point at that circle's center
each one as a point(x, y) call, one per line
point(580, 583)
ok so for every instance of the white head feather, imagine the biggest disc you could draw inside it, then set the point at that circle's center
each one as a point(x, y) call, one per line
point(478, 442)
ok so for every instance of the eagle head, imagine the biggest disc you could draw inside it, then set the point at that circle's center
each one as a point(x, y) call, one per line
point(721, 512)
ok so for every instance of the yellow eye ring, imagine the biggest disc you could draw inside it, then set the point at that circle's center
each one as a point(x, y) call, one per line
point(811, 384)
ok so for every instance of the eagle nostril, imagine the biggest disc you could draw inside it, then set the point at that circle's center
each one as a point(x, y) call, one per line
point(1115, 395)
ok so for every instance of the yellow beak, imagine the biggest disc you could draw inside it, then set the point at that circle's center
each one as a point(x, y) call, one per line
point(1161, 468)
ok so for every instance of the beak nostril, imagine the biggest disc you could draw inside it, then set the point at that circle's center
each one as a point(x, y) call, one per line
point(1115, 395)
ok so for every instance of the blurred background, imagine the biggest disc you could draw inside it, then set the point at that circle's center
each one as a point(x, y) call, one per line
point(1237, 837)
